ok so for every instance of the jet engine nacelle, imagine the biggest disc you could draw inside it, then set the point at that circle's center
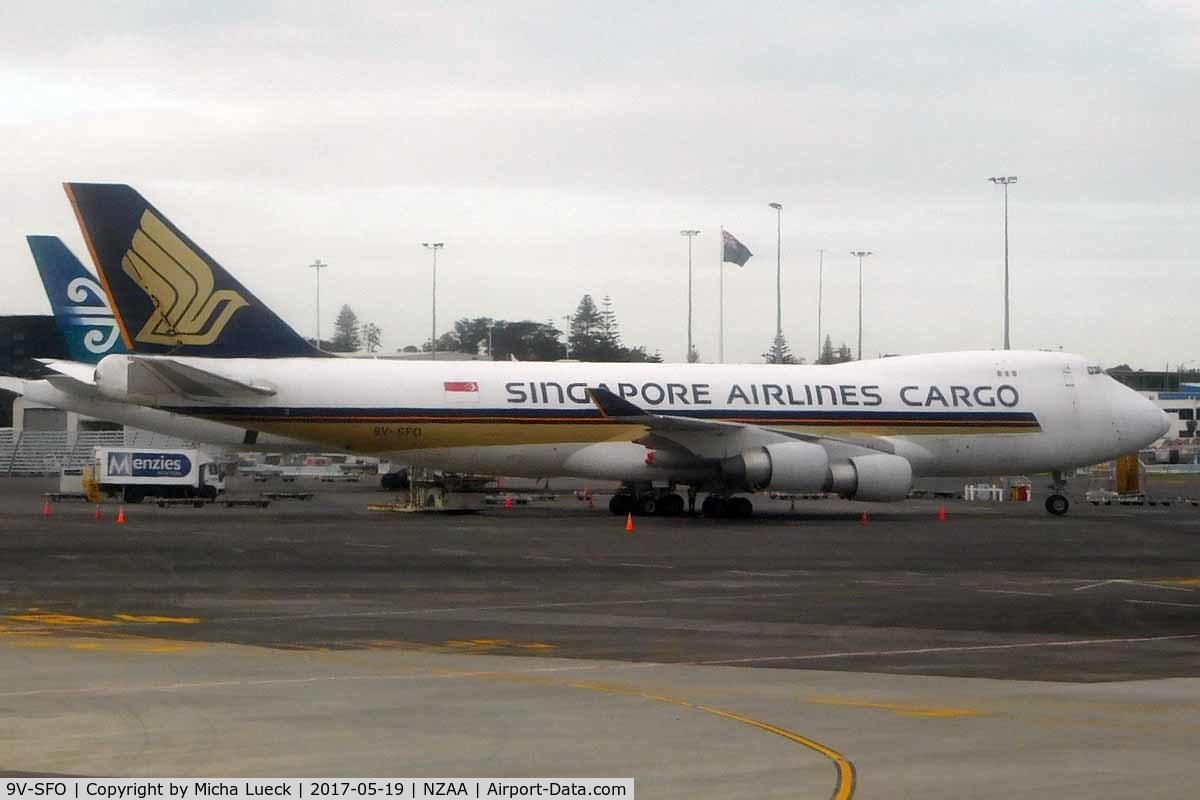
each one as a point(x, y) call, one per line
point(880, 477)
point(787, 467)
point(805, 467)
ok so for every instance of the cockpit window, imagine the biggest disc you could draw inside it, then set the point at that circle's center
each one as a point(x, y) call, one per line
point(1094, 370)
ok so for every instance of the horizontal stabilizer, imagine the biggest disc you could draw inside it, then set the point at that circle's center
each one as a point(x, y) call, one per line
point(72, 377)
point(192, 382)
point(155, 380)
point(14, 385)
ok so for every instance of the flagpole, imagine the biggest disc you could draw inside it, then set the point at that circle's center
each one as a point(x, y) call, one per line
point(721, 295)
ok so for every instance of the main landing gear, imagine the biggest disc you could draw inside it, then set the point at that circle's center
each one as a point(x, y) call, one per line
point(728, 507)
point(1057, 503)
point(648, 503)
point(667, 503)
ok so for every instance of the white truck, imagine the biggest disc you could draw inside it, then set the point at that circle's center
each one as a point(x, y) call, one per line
point(135, 473)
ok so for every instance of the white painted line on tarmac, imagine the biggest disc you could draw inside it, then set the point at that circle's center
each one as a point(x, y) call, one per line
point(952, 649)
point(1163, 603)
point(1130, 582)
point(1085, 587)
point(1010, 591)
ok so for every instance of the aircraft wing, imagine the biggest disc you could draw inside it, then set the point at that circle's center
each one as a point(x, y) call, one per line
point(717, 438)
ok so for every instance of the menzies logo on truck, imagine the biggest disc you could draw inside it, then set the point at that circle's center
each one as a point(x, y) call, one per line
point(148, 465)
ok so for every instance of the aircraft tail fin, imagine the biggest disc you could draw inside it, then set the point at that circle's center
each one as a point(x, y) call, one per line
point(81, 308)
point(169, 295)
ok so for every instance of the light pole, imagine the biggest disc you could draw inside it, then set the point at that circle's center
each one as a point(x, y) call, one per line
point(820, 286)
point(1005, 181)
point(861, 254)
point(778, 280)
point(434, 246)
point(690, 234)
point(317, 266)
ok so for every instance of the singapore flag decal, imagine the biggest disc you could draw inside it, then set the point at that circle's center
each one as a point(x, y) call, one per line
point(460, 392)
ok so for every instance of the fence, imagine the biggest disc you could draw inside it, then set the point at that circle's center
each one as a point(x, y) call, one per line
point(47, 452)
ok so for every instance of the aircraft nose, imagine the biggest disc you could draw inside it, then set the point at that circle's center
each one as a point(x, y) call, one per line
point(1151, 423)
point(1142, 421)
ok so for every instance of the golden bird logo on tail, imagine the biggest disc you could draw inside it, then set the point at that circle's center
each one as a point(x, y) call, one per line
point(180, 283)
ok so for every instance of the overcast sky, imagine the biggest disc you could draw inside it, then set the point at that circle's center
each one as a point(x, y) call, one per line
point(558, 148)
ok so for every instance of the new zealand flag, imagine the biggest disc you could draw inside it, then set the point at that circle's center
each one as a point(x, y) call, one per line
point(734, 251)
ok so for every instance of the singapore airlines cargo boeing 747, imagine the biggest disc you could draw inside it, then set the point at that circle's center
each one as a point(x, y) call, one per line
point(201, 344)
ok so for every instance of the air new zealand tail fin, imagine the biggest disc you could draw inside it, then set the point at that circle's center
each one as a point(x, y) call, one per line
point(81, 309)
point(168, 294)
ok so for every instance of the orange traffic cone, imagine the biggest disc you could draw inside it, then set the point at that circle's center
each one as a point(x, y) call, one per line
point(629, 523)
point(46, 509)
point(121, 515)
point(865, 519)
point(99, 514)
point(508, 501)
point(942, 514)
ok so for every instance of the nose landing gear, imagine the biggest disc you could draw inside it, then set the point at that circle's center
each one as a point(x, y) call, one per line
point(1057, 503)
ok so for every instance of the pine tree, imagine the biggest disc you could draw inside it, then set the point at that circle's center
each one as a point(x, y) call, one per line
point(780, 353)
point(827, 356)
point(587, 325)
point(346, 337)
point(610, 333)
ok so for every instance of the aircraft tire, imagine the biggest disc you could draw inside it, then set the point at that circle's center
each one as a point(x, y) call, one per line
point(648, 506)
point(739, 508)
point(712, 506)
point(1057, 504)
point(621, 504)
point(671, 505)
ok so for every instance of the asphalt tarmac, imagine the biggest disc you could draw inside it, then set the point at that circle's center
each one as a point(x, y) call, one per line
point(799, 652)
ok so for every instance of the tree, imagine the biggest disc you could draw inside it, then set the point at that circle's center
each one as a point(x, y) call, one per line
point(448, 342)
point(638, 355)
point(372, 333)
point(595, 335)
point(780, 353)
point(410, 348)
point(527, 341)
point(827, 355)
point(346, 338)
point(610, 332)
point(588, 340)
point(831, 356)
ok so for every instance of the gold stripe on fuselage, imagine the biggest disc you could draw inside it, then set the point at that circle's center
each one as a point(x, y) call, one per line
point(388, 436)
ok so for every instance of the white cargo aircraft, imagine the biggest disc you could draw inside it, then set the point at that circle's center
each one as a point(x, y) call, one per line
point(862, 430)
